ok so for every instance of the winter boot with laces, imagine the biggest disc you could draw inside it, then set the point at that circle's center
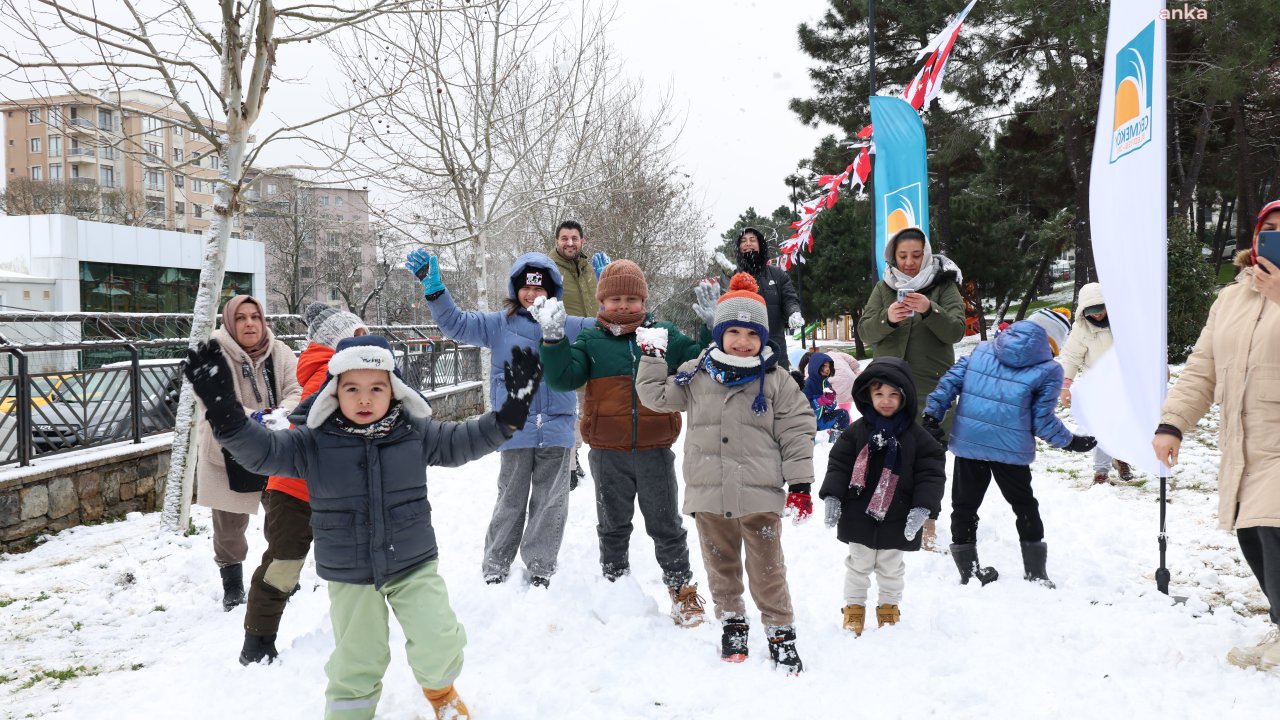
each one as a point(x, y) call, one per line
point(232, 586)
point(966, 557)
point(447, 704)
point(782, 649)
point(686, 606)
point(887, 615)
point(1034, 555)
point(1101, 477)
point(258, 648)
point(855, 619)
point(1252, 657)
point(733, 639)
point(1122, 467)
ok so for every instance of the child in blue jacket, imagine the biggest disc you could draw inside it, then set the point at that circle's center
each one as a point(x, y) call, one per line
point(536, 470)
point(1008, 391)
point(822, 397)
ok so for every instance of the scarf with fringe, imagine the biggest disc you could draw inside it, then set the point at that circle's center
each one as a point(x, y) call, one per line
point(731, 371)
point(884, 438)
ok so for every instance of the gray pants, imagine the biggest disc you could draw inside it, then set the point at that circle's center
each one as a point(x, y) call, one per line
point(622, 477)
point(230, 545)
point(532, 483)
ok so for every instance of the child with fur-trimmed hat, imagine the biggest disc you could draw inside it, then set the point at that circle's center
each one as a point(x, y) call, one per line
point(364, 450)
point(630, 456)
point(749, 441)
point(1007, 392)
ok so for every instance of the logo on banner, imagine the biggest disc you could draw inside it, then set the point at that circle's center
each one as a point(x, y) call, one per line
point(1133, 64)
point(901, 209)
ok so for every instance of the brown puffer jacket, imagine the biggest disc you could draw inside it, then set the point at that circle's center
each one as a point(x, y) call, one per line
point(212, 488)
point(735, 462)
point(1236, 365)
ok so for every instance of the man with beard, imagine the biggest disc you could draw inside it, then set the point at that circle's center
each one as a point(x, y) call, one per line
point(579, 300)
point(775, 286)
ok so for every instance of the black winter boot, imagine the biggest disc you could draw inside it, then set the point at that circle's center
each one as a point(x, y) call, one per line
point(733, 641)
point(1034, 555)
point(782, 649)
point(258, 648)
point(966, 557)
point(232, 586)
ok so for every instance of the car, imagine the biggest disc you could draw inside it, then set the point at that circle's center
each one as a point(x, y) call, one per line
point(94, 407)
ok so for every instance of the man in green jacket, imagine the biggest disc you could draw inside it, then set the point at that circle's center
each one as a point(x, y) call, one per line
point(579, 300)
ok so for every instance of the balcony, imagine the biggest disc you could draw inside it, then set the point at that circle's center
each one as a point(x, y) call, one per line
point(86, 152)
point(83, 181)
point(107, 153)
point(81, 125)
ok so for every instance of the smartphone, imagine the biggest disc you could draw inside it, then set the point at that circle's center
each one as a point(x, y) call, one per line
point(1269, 246)
point(903, 292)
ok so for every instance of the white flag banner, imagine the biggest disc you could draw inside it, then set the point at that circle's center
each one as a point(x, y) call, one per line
point(1118, 399)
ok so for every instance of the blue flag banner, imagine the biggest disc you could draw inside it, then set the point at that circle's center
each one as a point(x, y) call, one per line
point(901, 171)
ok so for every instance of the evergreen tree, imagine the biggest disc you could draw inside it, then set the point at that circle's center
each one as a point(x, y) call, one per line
point(1191, 290)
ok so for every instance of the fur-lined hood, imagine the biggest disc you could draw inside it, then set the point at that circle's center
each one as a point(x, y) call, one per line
point(1243, 259)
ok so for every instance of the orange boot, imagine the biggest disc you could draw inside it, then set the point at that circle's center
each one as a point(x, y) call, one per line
point(447, 704)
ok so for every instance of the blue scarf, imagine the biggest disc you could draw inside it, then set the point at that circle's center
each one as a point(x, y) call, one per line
point(733, 374)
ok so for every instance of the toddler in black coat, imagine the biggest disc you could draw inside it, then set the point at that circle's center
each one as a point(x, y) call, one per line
point(885, 475)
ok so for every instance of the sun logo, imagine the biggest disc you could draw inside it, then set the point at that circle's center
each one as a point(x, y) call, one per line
point(1132, 126)
point(901, 209)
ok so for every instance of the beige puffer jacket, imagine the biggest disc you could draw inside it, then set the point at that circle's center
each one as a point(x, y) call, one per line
point(212, 489)
point(1236, 364)
point(735, 462)
point(1087, 342)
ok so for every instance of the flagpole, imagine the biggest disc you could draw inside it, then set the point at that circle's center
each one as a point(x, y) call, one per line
point(871, 158)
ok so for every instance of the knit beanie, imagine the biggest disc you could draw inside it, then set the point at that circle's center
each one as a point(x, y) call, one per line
point(326, 326)
point(1056, 324)
point(533, 276)
point(742, 306)
point(622, 277)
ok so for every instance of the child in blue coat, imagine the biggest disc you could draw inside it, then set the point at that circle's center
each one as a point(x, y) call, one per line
point(536, 470)
point(822, 397)
point(1008, 391)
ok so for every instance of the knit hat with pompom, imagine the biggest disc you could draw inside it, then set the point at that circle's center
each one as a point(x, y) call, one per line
point(1056, 323)
point(742, 306)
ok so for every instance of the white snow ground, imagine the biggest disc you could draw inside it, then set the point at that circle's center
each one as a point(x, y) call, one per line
point(118, 621)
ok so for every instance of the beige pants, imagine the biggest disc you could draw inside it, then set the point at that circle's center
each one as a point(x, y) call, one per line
point(722, 541)
point(889, 567)
point(230, 546)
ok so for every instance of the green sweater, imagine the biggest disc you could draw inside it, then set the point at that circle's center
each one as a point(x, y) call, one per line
point(925, 340)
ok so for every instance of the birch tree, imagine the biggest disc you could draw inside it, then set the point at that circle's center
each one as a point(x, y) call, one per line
point(218, 66)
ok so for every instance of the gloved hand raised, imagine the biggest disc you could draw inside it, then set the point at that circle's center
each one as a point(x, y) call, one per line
point(795, 322)
point(212, 382)
point(799, 503)
point(933, 426)
point(1081, 443)
point(652, 341)
point(706, 293)
point(833, 511)
point(550, 315)
point(426, 267)
point(598, 261)
point(725, 263)
point(915, 520)
point(521, 376)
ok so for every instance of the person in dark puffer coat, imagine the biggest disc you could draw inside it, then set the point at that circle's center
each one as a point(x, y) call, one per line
point(857, 489)
point(1008, 391)
point(364, 451)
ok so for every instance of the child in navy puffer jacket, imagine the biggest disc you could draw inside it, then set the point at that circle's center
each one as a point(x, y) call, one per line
point(1008, 390)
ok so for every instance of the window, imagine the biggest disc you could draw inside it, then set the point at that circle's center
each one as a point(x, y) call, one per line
point(33, 116)
point(333, 294)
point(37, 172)
point(55, 145)
point(307, 272)
point(177, 180)
point(177, 155)
point(214, 162)
point(197, 210)
point(155, 180)
point(55, 172)
point(197, 232)
point(337, 200)
point(324, 200)
point(104, 119)
point(155, 151)
point(180, 209)
point(331, 238)
point(152, 125)
point(107, 177)
point(155, 208)
point(177, 132)
point(272, 189)
point(55, 116)
point(197, 185)
point(35, 145)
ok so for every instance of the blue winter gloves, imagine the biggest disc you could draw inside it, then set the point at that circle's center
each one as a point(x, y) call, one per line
point(427, 269)
point(915, 520)
point(598, 261)
point(550, 314)
point(833, 511)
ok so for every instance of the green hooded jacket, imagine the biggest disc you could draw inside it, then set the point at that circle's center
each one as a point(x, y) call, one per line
point(926, 341)
point(579, 284)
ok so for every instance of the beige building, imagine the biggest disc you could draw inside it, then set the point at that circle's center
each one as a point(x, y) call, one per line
point(133, 149)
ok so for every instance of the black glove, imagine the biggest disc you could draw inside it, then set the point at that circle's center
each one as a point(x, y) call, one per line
point(521, 374)
point(1081, 443)
point(213, 384)
point(933, 426)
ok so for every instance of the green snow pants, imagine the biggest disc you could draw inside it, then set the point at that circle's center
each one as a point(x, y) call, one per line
point(433, 639)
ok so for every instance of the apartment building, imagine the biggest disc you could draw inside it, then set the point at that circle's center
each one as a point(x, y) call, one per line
point(132, 149)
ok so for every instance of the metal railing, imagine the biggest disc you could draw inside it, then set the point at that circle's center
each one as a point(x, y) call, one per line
point(103, 378)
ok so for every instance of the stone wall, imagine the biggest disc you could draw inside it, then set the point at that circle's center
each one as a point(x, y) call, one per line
point(458, 403)
point(40, 500)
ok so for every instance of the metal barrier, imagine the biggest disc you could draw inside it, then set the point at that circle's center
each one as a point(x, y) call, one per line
point(126, 388)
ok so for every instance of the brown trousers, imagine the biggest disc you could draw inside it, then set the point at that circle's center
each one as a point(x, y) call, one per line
point(230, 546)
point(288, 530)
point(722, 541)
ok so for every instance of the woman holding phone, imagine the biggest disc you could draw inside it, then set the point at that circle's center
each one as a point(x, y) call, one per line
point(916, 313)
point(1236, 364)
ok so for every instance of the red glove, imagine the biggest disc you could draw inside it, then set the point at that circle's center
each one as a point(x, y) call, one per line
point(800, 504)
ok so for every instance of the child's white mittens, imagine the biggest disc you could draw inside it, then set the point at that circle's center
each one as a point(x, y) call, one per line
point(652, 341)
point(550, 315)
point(915, 520)
point(707, 294)
point(832, 511)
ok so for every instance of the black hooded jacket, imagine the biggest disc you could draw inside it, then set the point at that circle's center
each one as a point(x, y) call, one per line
point(780, 300)
point(921, 467)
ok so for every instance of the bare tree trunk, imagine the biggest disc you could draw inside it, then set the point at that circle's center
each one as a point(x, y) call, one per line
point(1246, 204)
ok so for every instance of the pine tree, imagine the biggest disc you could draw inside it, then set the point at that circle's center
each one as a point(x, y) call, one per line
point(1191, 290)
